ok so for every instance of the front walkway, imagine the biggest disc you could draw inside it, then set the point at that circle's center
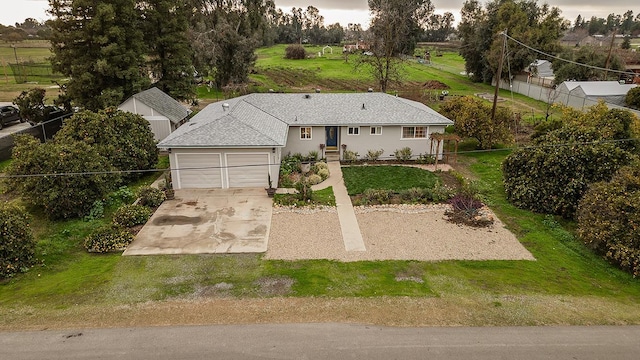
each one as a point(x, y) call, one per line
point(351, 234)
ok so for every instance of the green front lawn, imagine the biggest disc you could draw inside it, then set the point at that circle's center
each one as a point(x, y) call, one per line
point(396, 178)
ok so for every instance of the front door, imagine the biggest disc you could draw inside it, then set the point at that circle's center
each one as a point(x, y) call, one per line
point(331, 137)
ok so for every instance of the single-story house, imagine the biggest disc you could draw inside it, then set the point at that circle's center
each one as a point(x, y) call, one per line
point(163, 112)
point(612, 92)
point(240, 142)
point(578, 38)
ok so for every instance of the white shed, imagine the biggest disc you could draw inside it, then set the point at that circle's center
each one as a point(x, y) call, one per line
point(163, 113)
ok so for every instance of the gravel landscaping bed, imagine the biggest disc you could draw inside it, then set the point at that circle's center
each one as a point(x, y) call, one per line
point(390, 232)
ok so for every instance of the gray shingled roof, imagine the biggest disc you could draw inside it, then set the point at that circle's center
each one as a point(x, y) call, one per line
point(263, 119)
point(600, 88)
point(163, 103)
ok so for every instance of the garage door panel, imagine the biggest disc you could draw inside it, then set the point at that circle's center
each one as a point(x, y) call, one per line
point(199, 171)
point(248, 170)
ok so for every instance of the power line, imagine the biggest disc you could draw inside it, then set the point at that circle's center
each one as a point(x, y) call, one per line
point(565, 60)
point(116, 172)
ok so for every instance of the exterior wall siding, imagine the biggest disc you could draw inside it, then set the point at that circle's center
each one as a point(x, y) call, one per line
point(390, 140)
point(161, 128)
point(296, 145)
point(160, 124)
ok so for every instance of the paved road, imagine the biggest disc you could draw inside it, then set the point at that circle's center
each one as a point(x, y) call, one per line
point(325, 341)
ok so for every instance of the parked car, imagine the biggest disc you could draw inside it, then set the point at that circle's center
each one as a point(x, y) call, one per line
point(54, 112)
point(9, 114)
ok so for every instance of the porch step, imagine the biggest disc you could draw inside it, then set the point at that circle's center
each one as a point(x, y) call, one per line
point(333, 157)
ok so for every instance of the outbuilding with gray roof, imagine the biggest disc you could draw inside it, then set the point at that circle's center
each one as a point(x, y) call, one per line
point(164, 113)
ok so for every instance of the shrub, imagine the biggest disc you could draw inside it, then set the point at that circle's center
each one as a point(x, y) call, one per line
point(324, 174)
point(374, 155)
point(350, 156)
point(305, 193)
point(426, 159)
point(17, 245)
point(380, 196)
point(311, 156)
point(553, 179)
point(63, 196)
point(122, 195)
point(295, 52)
point(465, 209)
point(465, 203)
point(441, 193)
point(131, 215)
point(290, 164)
point(314, 179)
point(403, 154)
point(108, 238)
point(608, 219)
point(321, 165)
point(151, 197)
point(123, 138)
point(633, 98)
point(416, 195)
point(96, 212)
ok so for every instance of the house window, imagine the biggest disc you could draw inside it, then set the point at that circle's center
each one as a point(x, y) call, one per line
point(305, 133)
point(353, 130)
point(376, 130)
point(414, 132)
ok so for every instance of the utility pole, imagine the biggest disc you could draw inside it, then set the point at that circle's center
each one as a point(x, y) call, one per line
point(606, 65)
point(498, 76)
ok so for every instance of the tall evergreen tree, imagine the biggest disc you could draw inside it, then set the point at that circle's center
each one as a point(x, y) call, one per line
point(538, 26)
point(166, 25)
point(99, 45)
point(225, 35)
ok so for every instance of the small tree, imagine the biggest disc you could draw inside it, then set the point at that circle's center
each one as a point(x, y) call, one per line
point(609, 219)
point(64, 177)
point(633, 98)
point(31, 105)
point(472, 118)
point(626, 43)
point(17, 244)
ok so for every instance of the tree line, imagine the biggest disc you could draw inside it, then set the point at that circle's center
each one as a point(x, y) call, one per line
point(625, 24)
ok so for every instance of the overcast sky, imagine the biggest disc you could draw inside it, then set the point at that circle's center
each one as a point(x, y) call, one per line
point(351, 11)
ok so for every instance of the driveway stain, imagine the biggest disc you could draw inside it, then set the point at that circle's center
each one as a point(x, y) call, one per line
point(260, 230)
point(229, 211)
point(224, 236)
point(177, 220)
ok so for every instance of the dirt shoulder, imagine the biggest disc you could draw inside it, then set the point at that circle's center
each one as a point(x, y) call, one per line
point(384, 311)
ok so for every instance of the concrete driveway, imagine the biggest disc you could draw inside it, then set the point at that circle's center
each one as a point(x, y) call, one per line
point(207, 222)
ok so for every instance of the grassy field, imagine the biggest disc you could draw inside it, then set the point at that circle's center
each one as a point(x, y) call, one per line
point(567, 284)
point(37, 74)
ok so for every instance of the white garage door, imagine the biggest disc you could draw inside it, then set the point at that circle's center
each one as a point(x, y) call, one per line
point(199, 171)
point(248, 170)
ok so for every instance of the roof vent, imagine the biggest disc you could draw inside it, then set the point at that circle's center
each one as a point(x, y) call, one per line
point(225, 106)
point(307, 96)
